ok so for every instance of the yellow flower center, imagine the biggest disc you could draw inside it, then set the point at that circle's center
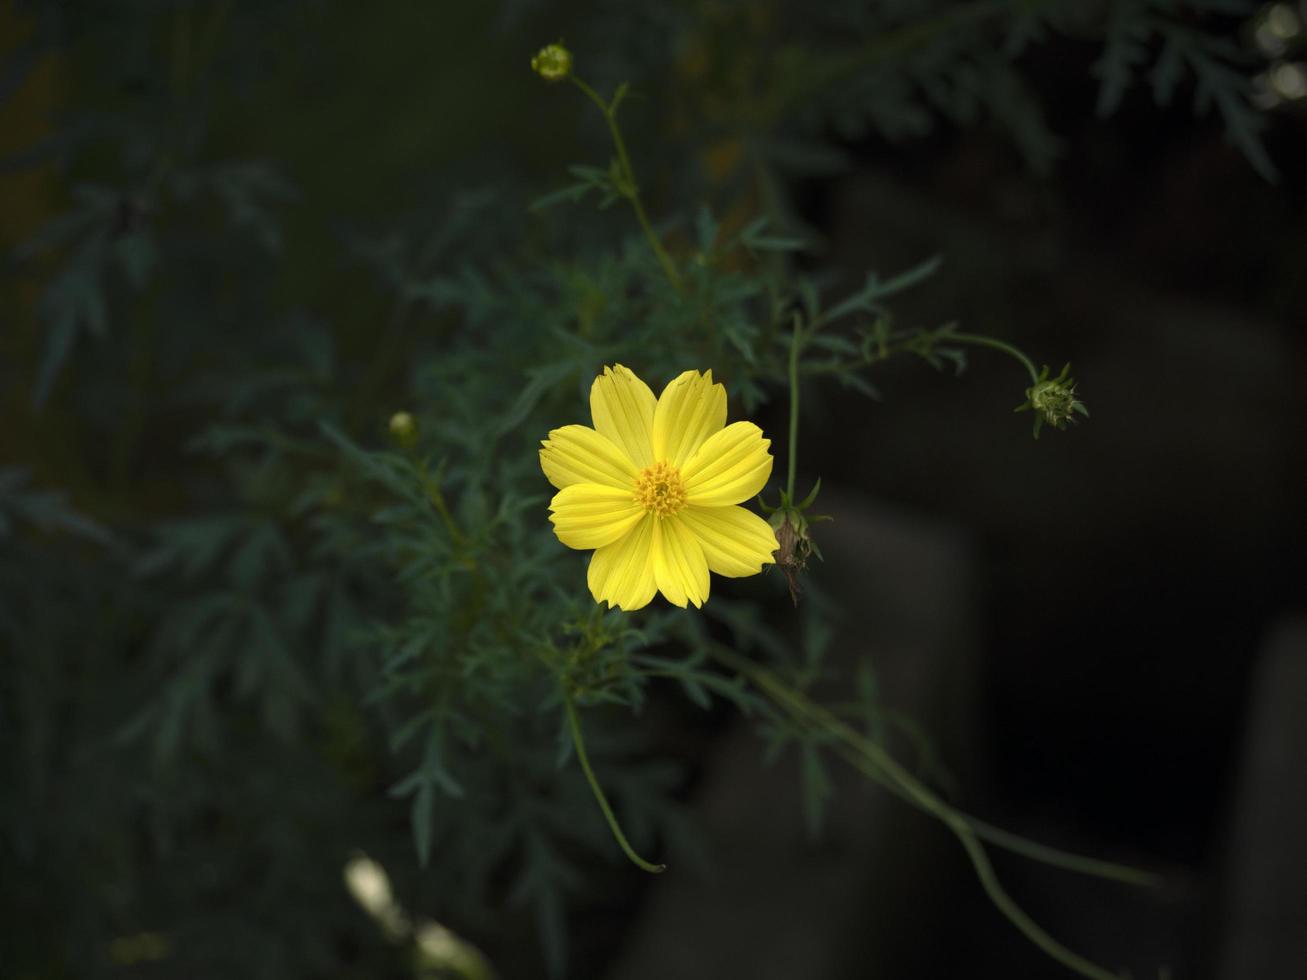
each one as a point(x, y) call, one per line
point(659, 489)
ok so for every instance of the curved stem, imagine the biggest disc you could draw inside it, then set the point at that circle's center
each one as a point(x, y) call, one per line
point(867, 756)
point(1035, 851)
point(632, 190)
point(990, 834)
point(875, 762)
point(968, 837)
point(1058, 858)
point(914, 344)
point(1006, 348)
point(574, 724)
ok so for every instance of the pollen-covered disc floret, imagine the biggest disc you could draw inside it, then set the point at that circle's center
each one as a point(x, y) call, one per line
point(655, 487)
point(660, 489)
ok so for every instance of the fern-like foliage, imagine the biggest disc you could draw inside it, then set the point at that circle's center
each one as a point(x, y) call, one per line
point(274, 630)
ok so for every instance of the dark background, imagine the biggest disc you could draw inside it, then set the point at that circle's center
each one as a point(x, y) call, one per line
point(1115, 587)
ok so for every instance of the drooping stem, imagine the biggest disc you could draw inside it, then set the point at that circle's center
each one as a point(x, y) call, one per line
point(982, 341)
point(984, 869)
point(630, 189)
point(875, 762)
point(1035, 851)
point(574, 724)
point(1058, 858)
point(796, 343)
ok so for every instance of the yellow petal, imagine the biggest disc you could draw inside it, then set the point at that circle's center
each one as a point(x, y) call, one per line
point(623, 410)
point(680, 568)
point(731, 466)
point(590, 515)
point(622, 573)
point(690, 409)
point(579, 454)
point(736, 542)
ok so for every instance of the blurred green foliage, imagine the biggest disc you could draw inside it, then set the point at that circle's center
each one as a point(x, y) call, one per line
point(246, 628)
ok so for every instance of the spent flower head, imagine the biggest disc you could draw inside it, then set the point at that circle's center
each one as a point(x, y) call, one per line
point(655, 489)
point(553, 63)
point(403, 429)
point(794, 536)
point(1053, 400)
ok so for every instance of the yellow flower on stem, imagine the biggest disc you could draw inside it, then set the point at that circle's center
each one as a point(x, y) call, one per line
point(654, 488)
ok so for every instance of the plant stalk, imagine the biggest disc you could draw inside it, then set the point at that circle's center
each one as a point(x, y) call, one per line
point(574, 723)
point(632, 189)
point(875, 762)
point(1006, 348)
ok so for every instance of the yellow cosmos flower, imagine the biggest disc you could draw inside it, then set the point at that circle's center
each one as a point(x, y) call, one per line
point(653, 488)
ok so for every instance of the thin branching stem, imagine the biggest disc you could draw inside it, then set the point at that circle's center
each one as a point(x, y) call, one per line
point(631, 190)
point(1035, 851)
point(981, 341)
point(574, 723)
point(921, 343)
point(875, 762)
point(1058, 858)
point(446, 516)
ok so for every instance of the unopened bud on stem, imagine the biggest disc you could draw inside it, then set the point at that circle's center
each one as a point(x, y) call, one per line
point(403, 429)
point(553, 63)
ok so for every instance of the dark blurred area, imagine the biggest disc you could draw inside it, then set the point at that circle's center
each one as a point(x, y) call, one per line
point(1102, 628)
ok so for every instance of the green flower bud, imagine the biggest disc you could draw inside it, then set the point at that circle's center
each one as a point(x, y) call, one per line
point(403, 429)
point(553, 63)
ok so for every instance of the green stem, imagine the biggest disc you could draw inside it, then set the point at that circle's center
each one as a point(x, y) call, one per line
point(1015, 843)
point(980, 341)
point(575, 724)
point(446, 517)
point(796, 343)
point(984, 869)
point(381, 364)
point(913, 344)
point(1060, 859)
point(632, 189)
point(872, 760)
